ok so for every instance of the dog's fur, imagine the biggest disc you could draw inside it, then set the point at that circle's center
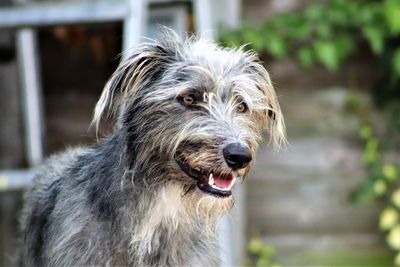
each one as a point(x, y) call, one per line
point(125, 201)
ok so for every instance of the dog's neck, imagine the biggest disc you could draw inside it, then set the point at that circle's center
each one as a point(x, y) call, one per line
point(170, 224)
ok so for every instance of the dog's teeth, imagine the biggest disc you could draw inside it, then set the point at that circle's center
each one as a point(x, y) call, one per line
point(211, 179)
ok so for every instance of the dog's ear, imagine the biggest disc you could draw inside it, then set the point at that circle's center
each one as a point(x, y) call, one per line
point(275, 122)
point(273, 117)
point(145, 66)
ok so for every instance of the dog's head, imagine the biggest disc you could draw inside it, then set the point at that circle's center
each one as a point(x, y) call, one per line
point(192, 113)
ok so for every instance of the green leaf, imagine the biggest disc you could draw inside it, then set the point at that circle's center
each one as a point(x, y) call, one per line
point(281, 20)
point(353, 9)
point(390, 173)
point(345, 45)
point(327, 54)
point(276, 46)
point(314, 12)
point(297, 28)
point(376, 37)
point(255, 246)
point(371, 155)
point(324, 30)
point(306, 57)
point(263, 262)
point(231, 39)
point(396, 62)
point(267, 252)
point(365, 132)
point(371, 13)
point(301, 31)
point(337, 16)
point(253, 37)
point(392, 15)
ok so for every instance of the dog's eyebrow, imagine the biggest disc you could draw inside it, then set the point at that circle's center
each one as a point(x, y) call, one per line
point(227, 90)
point(181, 74)
point(196, 69)
point(198, 92)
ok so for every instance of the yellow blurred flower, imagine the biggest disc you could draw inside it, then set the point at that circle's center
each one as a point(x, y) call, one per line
point(396, 198)
point(388, 219)
point(393, 238)
point(397, 259)
point(379, 187)
point(390, 172)
point(255, 246)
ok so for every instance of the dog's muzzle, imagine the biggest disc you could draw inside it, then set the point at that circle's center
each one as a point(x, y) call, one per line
point(211, 182)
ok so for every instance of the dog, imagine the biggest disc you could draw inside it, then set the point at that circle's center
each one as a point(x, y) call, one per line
point(189, 117)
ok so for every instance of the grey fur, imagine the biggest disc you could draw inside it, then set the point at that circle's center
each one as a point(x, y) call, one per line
point(125, 201)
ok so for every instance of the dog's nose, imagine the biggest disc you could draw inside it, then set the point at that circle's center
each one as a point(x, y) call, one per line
point(236, 156)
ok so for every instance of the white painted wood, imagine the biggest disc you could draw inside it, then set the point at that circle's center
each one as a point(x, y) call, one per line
point(59, 13)
point(203, 19)
point(28, 65)
point(134, 25)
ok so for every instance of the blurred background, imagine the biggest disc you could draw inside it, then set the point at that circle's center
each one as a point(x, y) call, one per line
point(330, 198)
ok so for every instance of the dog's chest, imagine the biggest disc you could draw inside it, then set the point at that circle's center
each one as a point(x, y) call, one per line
point(170, 236)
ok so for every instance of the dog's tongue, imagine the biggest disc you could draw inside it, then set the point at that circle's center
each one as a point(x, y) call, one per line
point(222, 183)
point(225, 183)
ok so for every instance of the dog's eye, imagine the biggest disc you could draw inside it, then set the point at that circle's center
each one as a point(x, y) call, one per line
point(189, 99)
point(242, 107)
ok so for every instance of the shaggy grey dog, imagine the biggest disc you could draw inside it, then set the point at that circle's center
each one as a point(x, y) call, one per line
point(190, 116)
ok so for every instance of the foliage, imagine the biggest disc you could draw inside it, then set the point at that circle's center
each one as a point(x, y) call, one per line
point(326, 33)
point(383, 181)
point(261, 255)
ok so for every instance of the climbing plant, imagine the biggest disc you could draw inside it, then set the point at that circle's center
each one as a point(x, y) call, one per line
point(383, 181)
point(326, 33)
point(261, 255)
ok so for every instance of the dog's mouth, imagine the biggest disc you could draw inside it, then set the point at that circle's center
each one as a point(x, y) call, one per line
point(208, 181)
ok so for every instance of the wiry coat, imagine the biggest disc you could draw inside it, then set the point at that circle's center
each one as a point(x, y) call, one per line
point(125, 201)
